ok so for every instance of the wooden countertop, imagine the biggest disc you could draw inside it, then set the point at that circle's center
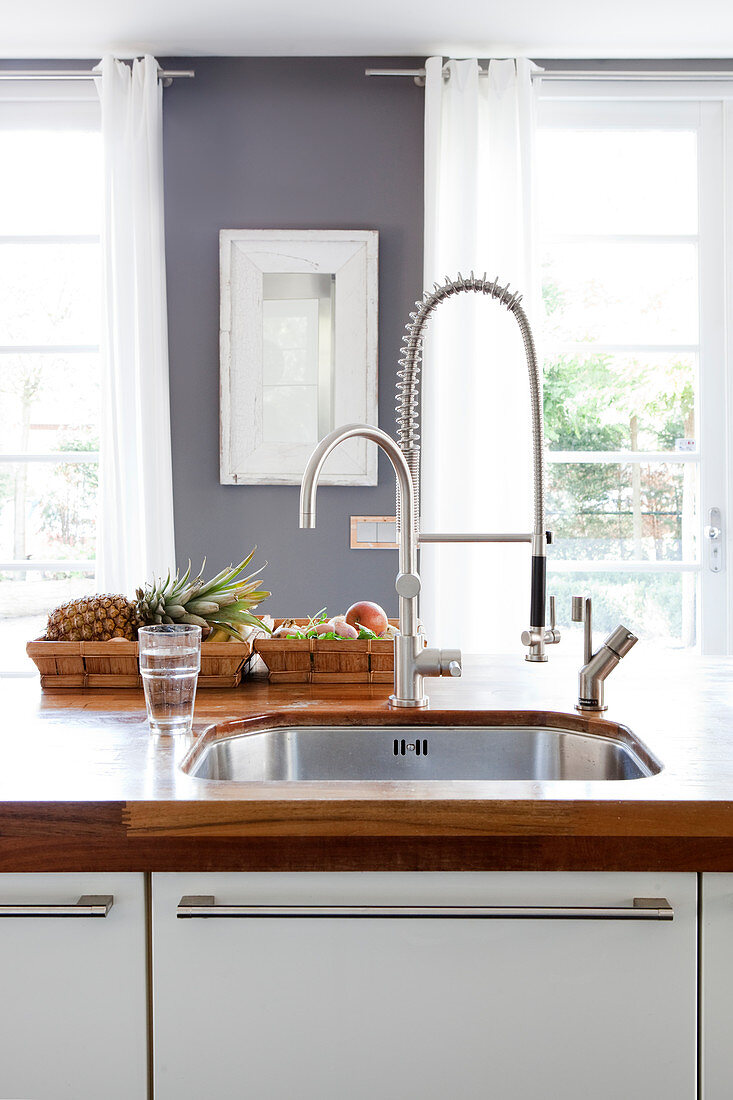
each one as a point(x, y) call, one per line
point(84, 786)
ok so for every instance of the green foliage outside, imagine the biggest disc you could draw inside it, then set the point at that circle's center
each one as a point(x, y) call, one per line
point(69, 506)
point(602, 402)
point(621, 511)
point(47, 509)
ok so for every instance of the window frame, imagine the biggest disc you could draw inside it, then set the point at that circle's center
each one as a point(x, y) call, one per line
point(708, 109)
point(50, 105)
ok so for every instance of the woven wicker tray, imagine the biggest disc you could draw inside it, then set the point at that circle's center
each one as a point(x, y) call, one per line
point(65, 665)
point(324, 661)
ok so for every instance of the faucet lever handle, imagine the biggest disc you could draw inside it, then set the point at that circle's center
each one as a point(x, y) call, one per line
point(578, 609)
point(552, 634)
point(582, 612)
point(621, 640)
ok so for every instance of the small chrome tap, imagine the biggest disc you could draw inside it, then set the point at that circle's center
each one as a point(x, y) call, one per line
point(597, 665)
point(412, 662)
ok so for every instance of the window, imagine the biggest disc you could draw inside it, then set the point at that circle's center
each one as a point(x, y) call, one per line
point(632, 224)
point(50, 217)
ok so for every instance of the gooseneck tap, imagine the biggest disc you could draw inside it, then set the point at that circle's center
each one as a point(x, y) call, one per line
point(412, 661)
point(597, 665)
point(408, 433)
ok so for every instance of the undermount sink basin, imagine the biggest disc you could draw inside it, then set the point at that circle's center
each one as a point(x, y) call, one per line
point(490, 747)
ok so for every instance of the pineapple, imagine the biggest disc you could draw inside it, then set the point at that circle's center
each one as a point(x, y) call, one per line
point(224, 603)
point(93, 619)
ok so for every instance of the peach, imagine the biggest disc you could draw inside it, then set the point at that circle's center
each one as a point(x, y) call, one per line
point(369, 615)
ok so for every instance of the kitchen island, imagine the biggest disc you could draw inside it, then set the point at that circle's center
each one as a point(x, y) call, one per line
point(203, 886)
point(85, 787)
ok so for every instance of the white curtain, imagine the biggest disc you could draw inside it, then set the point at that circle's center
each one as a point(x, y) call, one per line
point(135, 535)
point(476, 438)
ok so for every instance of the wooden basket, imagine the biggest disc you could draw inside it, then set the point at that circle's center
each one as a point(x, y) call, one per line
point(65, 665)
point(325, 661)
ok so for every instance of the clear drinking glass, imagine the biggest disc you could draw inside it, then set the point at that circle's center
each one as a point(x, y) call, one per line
point(170, 658)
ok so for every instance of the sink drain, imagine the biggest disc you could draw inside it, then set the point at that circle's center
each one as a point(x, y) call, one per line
point(401, 747)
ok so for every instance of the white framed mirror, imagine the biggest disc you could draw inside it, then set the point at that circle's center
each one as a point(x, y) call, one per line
point(298, 349)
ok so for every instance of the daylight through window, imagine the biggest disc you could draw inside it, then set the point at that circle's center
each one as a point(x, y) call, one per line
point(50, 210)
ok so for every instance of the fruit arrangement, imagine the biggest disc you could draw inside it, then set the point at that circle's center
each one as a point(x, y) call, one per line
point(221, 606)
point(363, 621)
point(357, 647)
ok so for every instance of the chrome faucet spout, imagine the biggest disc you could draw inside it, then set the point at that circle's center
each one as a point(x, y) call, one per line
point(309, 484)
point(412, 661)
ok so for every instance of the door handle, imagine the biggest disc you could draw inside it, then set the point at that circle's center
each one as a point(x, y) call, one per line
point(714, 538)
point(89, 905)
point(205, 905)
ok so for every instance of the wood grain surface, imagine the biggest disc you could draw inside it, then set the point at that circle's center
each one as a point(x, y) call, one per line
point(84, 786)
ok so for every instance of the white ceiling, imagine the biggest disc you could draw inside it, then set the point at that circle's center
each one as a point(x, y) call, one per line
point(533, 28)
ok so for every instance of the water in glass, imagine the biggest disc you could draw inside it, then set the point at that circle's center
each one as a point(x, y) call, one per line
point(169, 666)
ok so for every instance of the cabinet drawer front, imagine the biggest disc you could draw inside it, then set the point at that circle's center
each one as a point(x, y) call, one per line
point(717, 986)
point(73, 1009)
point(419, 1007)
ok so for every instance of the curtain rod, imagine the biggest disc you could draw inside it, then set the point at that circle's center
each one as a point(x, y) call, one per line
point(166, 75)
point(418, 75)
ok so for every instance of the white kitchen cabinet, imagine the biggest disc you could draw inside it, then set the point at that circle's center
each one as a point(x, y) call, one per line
point(421, 1008)
point(72, 988)
point(716, 986)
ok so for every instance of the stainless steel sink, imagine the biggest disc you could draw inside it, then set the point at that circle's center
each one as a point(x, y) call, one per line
point(421, 752)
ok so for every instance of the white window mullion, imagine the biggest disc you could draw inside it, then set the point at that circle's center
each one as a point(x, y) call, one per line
point(613, 565)
point(712, 426)
point(53, 456)
point(76, 565)
point(621, 238)
point(560, 347)
point(50, 238)
point(49, 349)
point(727, 361)
point(569, 457)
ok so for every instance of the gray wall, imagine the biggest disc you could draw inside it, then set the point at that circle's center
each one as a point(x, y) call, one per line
point(291, 143)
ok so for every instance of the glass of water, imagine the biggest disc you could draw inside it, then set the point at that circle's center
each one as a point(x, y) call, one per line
point(170, 658)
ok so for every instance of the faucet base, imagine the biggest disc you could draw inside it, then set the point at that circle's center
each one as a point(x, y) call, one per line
point(395, 702)
point(535, 658)
point(596, 708)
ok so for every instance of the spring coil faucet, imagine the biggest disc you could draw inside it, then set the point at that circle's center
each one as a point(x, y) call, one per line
point(408, 435)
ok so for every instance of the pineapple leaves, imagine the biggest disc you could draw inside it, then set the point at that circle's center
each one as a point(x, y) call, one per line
point(224, 601)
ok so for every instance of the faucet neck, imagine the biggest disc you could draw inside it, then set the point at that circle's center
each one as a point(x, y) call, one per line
point(412, 663)
point(309, 485)
point(408, 581)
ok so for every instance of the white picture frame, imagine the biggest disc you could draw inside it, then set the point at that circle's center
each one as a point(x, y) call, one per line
point(249, 455)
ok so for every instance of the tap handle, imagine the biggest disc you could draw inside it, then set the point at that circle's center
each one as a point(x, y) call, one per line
point(578, 609)
point(552, 634)
point(451, 662)
point(621, 641)
point(582, 612)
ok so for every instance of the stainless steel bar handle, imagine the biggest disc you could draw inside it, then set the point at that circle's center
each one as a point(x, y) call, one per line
point(89, 905)
point(478, 536)
point(205, 905)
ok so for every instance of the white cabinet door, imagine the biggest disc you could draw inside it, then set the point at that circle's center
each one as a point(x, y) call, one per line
point(717, 986)
point(421, 1008)
point(72, 989)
